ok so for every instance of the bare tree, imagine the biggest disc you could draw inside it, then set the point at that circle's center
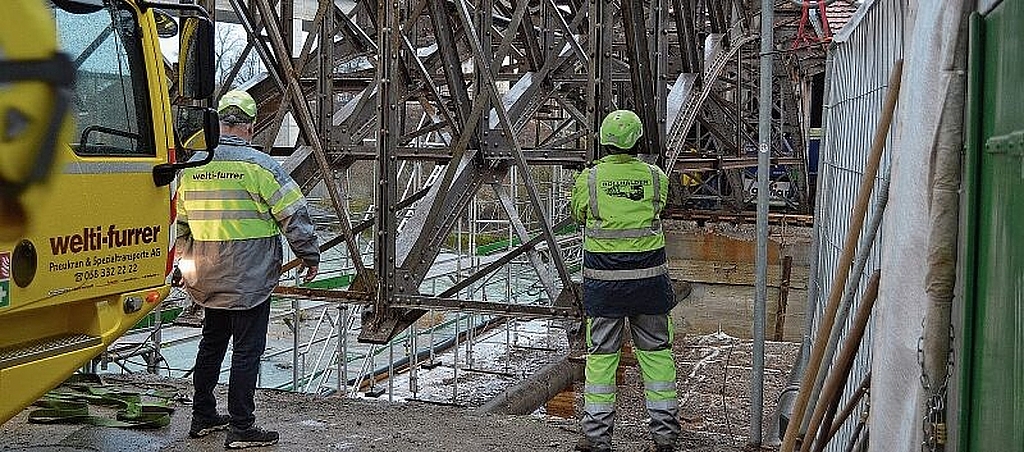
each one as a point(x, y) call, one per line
point(229, 43)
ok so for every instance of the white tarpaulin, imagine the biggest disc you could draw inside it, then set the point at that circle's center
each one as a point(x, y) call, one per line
point(897, 396)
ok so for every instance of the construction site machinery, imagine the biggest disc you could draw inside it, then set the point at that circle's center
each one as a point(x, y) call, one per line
point(86, 225)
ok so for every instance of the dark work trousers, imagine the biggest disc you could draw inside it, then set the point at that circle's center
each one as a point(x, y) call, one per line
point(248, 331)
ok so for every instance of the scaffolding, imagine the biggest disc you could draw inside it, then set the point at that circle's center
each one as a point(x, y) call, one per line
point(439, 140)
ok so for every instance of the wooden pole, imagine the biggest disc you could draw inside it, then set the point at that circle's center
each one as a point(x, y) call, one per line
point(851, 405)
point(844, 362)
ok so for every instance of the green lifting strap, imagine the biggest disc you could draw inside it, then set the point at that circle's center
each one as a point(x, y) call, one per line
point(72, 407)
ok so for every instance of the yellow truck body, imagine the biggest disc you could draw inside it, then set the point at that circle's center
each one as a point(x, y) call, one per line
point(93, 253)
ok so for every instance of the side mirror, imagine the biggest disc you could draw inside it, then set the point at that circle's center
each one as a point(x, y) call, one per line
point(166, 27)
point(196, 129)
point(195, 58)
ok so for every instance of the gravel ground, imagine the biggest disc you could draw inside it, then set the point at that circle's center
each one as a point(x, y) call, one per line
point(309, 423)
point(713, 376)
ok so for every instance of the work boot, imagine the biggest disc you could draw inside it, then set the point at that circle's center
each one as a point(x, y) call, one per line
point(585, 445)
point(250, 437)
point(202, 427)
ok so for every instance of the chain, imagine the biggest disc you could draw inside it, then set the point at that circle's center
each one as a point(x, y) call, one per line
point(933, 424)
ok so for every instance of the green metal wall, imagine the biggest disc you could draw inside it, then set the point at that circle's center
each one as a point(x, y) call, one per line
point(993, 367)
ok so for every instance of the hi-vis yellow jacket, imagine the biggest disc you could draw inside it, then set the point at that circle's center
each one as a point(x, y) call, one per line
point(619, 201)
point(230, 213)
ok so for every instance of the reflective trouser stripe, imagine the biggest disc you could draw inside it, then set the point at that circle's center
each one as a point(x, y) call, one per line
point(659, 374)
point(625, 275)
point(599, 389)
point(660, 385)
point(599, 396)
point(660, 390)
point(663, 405)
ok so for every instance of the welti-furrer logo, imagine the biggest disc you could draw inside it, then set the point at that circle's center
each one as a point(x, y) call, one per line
point(5, 280)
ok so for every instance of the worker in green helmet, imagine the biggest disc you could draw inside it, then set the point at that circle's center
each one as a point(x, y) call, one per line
point(231, 215)
point(625, 276)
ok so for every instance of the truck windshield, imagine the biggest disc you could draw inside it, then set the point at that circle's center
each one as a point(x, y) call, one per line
point(112, 113)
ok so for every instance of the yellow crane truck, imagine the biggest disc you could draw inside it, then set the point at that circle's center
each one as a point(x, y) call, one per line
point(87, 162)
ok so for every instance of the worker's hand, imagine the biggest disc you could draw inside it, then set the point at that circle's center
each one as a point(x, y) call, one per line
point(310, 271)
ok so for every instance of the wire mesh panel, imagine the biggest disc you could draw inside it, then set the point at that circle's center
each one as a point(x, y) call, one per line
point(860, 63)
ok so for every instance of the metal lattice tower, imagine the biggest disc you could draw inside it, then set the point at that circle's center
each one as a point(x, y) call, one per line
point(445, 101)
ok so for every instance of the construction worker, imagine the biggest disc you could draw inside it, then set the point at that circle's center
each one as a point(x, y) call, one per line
point(230, 215)
point(625, 276)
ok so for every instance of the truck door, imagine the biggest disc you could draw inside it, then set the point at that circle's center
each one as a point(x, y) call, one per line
point(101, 226)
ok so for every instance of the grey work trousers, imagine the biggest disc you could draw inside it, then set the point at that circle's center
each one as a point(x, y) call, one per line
point(652, 338)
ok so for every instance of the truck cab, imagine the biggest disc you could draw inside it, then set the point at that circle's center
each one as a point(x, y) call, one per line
point(91, 251)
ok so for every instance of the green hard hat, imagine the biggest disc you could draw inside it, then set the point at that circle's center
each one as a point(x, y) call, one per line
point(240, 100)
point(622, 129)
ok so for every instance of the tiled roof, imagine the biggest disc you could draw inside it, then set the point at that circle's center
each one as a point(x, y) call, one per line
point(839, 14)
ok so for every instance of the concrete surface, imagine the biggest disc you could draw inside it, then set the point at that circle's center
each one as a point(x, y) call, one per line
point(718, 260)
point(711, 308)
point(713, 380)
point(310, 423)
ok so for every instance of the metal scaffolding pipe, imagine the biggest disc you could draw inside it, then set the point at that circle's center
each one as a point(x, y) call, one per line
point(784, 407)
point(764, 133)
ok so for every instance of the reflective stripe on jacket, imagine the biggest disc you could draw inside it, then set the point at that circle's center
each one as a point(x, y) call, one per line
point(241, 194)
point(230, 213)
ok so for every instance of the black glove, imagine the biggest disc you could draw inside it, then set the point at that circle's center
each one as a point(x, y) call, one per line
point(177, 280)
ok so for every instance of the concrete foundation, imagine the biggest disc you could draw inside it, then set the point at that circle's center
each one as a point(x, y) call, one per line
point(718, 261)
